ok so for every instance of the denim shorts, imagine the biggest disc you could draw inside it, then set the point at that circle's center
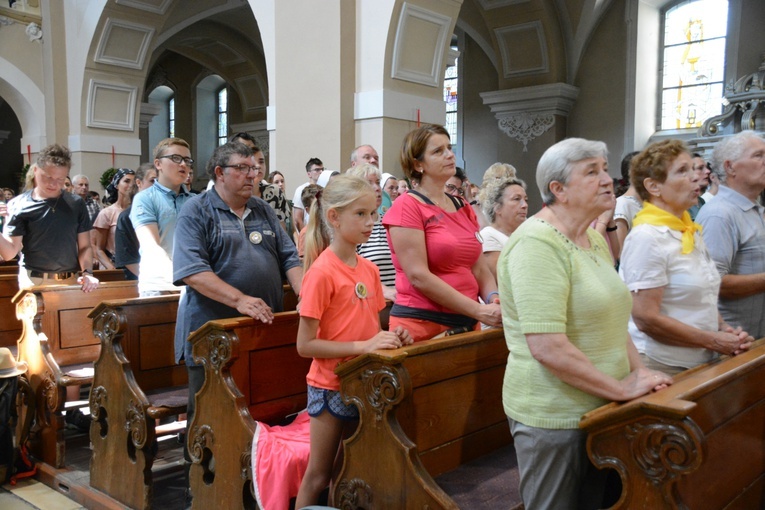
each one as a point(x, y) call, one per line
point(320, 399)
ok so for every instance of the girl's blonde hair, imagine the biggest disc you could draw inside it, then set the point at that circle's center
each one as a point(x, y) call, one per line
point(341, 192)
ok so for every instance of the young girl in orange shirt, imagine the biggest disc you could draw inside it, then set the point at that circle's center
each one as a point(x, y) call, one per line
point(341, 297)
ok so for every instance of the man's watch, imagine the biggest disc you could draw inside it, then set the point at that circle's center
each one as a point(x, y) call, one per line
point(86, 271)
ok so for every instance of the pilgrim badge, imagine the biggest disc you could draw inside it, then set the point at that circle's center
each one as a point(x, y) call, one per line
point(361, 290)
point(256, 237)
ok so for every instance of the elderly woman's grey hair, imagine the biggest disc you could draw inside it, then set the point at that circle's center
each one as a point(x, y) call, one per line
point(364, 171)
point(557, 161)
point(491, 195)
point(730, 149)
point(498, 171)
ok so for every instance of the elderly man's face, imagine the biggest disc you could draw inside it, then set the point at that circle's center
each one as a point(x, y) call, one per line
point(749, 169)
point(238, 179)
point(367, 154)
point(701, 171)
point(81, 187)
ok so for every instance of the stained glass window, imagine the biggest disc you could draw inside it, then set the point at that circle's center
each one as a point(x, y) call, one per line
point(693, 62)
point(450, 97)
point(222, 116)
point(171, 117)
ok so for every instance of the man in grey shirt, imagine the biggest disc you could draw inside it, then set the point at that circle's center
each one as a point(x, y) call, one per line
point(734, 230)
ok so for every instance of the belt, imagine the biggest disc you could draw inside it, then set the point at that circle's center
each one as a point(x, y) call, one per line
point(64, 275)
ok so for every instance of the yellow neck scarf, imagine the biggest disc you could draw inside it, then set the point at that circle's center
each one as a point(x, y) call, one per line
point(652, 215)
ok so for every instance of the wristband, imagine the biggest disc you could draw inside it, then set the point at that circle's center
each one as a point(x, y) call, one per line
point(612, 229)
point(86, 271)
point(488, 298)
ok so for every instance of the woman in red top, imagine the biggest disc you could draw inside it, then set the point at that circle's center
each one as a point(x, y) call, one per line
point(436, 246)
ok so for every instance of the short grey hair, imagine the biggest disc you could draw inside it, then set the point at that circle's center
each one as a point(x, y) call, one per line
point(730, 149)
point(78, 177)
point(557, 161)
point(355, 151)
point(491, 195)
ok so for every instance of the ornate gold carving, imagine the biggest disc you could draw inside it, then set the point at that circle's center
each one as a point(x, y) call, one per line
point(107, 325)
point(201, 438)
point(245, 462)
point(50, 391)
point(27, 307)
point(135, 424)
point(354, 494)
point(382, 388)
point(98, 399)
point(664, 450)
point(220, 350)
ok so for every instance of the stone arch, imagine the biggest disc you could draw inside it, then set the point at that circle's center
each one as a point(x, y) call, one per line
point(27, 102)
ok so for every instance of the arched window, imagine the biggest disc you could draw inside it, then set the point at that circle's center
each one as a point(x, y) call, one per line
point(450, 98)
point(693, 62)
point(222, 116)
point(171, 116)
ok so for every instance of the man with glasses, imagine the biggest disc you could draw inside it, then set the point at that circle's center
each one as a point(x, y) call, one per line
point(313, 168)
point(50, 227)
point(231, 253)
point(154, 212)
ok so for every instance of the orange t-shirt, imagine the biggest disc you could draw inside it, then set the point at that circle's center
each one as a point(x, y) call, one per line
point(346, 301)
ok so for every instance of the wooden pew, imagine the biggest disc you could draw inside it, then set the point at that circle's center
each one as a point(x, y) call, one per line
point(252, 370)
point(698, 444)
point(10, 326)
point(424, 410)
point(136, 382)
point(56, 337)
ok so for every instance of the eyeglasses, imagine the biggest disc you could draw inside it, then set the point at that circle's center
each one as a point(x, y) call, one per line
point(178, 159)
point(451, 189)
point(243, 169)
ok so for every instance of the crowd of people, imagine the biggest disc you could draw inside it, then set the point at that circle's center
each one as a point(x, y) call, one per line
point(602, 298)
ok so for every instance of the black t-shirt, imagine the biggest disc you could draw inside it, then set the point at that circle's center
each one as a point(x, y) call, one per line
point(125, 242)
point(48, 230)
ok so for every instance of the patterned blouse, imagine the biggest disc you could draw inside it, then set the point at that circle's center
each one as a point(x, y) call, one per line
point(274, 196)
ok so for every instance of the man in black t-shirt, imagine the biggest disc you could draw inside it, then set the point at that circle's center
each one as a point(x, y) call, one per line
point(50, 227)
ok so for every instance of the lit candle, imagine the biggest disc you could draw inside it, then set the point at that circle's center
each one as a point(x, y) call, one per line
point(418, 117)
point(29, 154)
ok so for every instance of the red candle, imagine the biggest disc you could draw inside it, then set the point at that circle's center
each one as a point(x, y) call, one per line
point(29, 154)
point(112, 156)
point(418, 117)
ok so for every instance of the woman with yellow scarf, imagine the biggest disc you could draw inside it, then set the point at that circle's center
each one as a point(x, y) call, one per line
point(675, 324)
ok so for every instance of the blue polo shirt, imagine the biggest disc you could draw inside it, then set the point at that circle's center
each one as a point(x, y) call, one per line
point(252, 254)
point(160, 206)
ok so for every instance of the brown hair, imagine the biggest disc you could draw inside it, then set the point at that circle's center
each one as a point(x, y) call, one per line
point(413, 148)
point(167, 142)
point(56, 155)
point(654, 162)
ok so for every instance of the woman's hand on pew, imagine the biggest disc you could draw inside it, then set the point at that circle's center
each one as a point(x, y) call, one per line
point(490, 314)
point(642, 381)
point(744, 339)
point(255, 308)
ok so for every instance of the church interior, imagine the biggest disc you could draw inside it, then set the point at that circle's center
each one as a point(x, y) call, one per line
point(317, 78)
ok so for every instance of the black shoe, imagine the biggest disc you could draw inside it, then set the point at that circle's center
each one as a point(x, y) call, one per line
point(76, 420)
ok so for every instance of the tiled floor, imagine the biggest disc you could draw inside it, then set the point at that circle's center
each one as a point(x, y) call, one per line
point(33, 495)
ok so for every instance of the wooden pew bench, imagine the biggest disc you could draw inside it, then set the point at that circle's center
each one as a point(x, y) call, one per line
point(56, 338)
point(136, 382)
point(10, 326)
point(252, 372)
point(698, 444)
point(425, 409)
